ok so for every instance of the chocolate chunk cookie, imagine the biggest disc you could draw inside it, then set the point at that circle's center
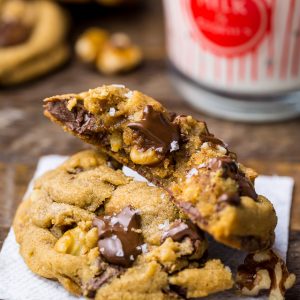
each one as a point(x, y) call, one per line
point(105, 236)
point(177, 153)
point(32, 39)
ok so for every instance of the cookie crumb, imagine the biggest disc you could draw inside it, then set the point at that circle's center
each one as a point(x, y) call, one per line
point(120, 253)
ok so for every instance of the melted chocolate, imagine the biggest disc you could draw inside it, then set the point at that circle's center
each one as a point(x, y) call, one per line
point(13, 33)
point(210, 138)
point(179, 230)
point(78, 119)
point(247, 272)
point(231, 170)
point(119, 243)
point(157, 130)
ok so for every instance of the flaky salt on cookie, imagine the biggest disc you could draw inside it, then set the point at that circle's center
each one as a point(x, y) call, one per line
point(176, 152)
point(105, 236)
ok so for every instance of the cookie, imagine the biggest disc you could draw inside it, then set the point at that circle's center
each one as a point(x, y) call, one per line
point(177, 153)
point(32, 39)
point(105, 236)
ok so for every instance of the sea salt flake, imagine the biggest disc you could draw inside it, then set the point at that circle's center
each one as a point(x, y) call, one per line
point(192, 172)
point(174, 146)
point(120, 253)
point(131, 257)
point(138, 248)
point(114, 220)
point(205, 145)
point(112, 111)
point(165, 225)
point(159, 149)
point(144, 248)
point(128, 94)
point(121, 86)
point(102, 250)
point(114, 237)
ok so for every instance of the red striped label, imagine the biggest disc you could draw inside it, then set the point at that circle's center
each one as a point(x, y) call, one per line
point(230, 27)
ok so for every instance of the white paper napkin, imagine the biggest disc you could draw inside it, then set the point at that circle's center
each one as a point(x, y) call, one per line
point(17, 282)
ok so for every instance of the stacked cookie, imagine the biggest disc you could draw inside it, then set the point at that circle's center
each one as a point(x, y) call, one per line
point(32, 39)
point(110, 237)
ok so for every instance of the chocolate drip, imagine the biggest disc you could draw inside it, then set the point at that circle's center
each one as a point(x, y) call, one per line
point(231, 170)
point(247, 272)
point(210, 138)
point(78, 119)
point(179, 230)
point(157, 130)
point(13, 33)
point(119, 242)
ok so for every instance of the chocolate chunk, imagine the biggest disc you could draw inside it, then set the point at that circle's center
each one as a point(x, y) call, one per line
point(231, 170)
point(119, 242)
point(78, 119)
point(157, 130)
point(245, 187)
point(13, 33)
point(95, 283)
point(179, 230)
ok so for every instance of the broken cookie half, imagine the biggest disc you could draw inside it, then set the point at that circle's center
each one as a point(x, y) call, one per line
point(175, 152)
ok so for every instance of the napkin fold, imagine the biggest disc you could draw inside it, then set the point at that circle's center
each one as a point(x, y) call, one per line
point(17, 282)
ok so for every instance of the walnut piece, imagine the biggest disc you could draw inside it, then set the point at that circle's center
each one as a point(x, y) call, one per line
point(78, 241)
point(264, 272)
point(110, 54)
point(147, 157)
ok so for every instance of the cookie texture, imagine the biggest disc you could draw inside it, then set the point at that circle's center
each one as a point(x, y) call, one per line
point(176, 152)
point(105, 236)
point(32, 39)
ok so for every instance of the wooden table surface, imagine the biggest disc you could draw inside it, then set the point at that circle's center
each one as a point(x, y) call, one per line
point(25, 134)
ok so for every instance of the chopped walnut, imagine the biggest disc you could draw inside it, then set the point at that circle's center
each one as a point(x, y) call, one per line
point(90, 44)
point(119, 55)
point(78, 241)
point(264, 272)
point(147, 157)
point(110, 54)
